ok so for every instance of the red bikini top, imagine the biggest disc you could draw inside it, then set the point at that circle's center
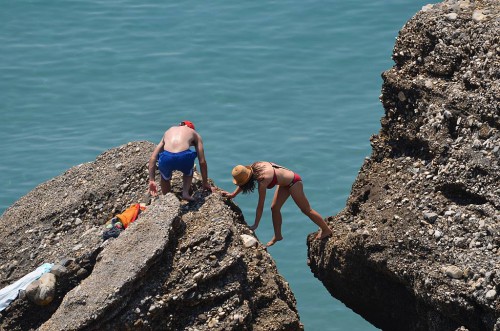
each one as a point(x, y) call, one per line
point(275, 179)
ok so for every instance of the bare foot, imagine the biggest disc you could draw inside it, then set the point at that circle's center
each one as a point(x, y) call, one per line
point(324, 234)
point(274, 240)
point(188, 198)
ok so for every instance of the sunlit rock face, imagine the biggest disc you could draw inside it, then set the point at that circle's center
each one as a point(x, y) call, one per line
point(417, 245)
point(179, 266)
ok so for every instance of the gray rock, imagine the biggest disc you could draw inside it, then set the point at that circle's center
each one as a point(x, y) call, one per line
point(155, 258)
point(436, 149)
point(454, 272)
point(58, 270)
point(460, 242)
point(42, 291)
point(478, 16)
point(430, 217)
point(248, 241)
point(490, 295)
point(451, 16)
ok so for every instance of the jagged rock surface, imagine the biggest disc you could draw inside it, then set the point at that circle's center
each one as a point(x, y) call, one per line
point(180, 266)
point(417, 246)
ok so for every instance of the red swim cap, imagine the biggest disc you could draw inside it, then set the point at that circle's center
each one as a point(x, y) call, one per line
point(188, 124)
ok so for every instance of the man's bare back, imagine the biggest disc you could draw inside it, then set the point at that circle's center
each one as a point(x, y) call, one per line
point(174, 146)
point(179, 138)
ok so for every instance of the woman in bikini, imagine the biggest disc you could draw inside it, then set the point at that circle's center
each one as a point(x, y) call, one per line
point(266, 175)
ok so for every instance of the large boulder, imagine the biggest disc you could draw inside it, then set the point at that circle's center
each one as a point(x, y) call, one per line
point(178, 266)
point(417, 246)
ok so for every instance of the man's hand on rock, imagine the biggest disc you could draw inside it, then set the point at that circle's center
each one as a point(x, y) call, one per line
point(153, 189)
point(208, 187)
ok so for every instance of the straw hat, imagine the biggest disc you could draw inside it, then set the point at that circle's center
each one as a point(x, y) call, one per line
point(241, 174)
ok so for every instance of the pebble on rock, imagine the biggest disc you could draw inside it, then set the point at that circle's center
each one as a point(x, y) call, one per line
point(451, 16)
point(491, 294)
point(42, 291)
point(478, 16)
point(454, 272)
point(248, 241)
point(430, 217)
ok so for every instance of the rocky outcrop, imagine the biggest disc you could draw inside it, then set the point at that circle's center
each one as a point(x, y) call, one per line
point(417, 246)
point(180, 266)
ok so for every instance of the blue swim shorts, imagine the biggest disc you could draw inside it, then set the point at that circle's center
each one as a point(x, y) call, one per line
point(182, 161)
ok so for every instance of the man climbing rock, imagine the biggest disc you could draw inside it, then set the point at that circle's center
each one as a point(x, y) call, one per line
point(174, 153)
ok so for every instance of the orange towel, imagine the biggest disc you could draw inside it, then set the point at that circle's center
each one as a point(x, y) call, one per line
point(130, 214)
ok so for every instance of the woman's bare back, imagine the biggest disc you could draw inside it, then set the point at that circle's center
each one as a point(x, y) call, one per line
point(283, 175)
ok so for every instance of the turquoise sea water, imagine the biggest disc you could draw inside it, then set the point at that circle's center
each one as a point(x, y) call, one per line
point(293, 82)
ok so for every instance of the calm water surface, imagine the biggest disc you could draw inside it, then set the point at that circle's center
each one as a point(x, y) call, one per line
point(294, 82)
